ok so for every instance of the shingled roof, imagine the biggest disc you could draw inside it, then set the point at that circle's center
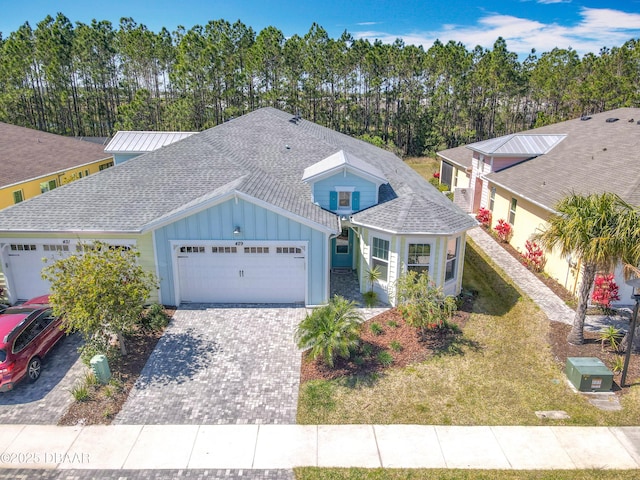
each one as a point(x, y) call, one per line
point(596, 156)
point(260, 155)
point(26, 154)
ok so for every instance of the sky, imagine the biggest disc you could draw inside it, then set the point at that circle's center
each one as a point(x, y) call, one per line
point(584, 25)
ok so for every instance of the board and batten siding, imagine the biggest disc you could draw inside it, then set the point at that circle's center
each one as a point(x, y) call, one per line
point(256, 223)
point(322, 188)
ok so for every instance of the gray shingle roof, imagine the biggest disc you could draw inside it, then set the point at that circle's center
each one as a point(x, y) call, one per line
point(596, 156)
point(262, 154)
point(26, 154)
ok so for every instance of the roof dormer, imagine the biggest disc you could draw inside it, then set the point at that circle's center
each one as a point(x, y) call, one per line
point(343, 183)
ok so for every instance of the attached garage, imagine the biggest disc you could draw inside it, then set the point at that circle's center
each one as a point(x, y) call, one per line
point(23, 261)
point(24, 264)
point(241, 272)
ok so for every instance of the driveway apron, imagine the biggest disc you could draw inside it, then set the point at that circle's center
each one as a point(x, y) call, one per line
point(46, 400)
point(218, 365)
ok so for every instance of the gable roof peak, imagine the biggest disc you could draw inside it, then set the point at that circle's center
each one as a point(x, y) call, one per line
point(518, 145)
point(339, 160)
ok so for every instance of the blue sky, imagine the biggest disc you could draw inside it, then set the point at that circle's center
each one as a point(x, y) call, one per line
point(583, 25)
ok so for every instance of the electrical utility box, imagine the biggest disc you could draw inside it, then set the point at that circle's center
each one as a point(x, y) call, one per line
point(589, 374)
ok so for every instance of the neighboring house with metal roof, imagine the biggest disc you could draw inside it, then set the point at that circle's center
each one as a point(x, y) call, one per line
point(126, 145)
point(259, 209)
point(521, 177)
point(33, 162)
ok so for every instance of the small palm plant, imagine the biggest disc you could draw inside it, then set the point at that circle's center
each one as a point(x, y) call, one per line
point(610, 335)
point(371, 297)
point(331, 331)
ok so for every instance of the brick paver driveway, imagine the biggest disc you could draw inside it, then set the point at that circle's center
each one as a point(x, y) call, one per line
point(219, 365)
point(46, 400)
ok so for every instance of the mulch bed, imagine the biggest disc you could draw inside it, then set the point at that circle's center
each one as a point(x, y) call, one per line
point(561, 350)
point(106, 401)
point(410, 347)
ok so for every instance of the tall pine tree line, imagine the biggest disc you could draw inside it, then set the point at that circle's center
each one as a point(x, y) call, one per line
point(91, 80)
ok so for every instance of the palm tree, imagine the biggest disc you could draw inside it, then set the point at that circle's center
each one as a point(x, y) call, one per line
point(331, 331)
point(600, 231)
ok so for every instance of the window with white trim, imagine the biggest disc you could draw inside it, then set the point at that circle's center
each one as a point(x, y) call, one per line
point(453, 248)
point(419, 257)
point(512, 210)
point(380, 256)
point(492, 198)
point(344, 200)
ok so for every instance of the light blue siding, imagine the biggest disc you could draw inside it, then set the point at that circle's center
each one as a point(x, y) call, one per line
point(322, 190)
point(119, 158)
point(256, 223)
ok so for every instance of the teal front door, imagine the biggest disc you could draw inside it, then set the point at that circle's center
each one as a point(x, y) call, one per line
point(342, 249)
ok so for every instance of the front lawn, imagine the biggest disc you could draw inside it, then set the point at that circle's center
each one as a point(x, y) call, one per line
point(312, 473)
point(501, 375)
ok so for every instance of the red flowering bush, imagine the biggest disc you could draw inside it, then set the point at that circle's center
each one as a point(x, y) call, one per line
point(484, 217)
point(533, 257)
point(436, 175)
point(504, 230)
point(605, 291)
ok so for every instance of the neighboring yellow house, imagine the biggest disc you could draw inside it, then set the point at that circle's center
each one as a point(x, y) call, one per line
point(33, 162)
point(521, 177)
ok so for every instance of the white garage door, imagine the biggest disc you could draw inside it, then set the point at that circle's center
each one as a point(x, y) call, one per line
point(267, 272)
point(25, 267)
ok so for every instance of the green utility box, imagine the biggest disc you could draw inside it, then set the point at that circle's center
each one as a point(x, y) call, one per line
point(101, 369)
point(589, 374)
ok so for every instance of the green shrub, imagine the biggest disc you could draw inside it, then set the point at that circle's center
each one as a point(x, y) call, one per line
point(396, 346)
point(393, 324)
point(376, 329)
point(610, 335)
point(366, 349)
point(154, 318)
point(385, 358)
point(370, 298)
point(80, 392)
point(331, 331)
point(618, 364)
point(422, 304)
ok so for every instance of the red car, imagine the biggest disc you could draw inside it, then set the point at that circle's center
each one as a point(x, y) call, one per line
point(27, 333)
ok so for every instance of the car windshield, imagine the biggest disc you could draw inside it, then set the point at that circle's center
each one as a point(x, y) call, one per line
point(3, 355)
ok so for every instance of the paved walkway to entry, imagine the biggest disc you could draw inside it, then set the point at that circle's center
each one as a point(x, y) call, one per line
point(555, 308)
point(218, 365)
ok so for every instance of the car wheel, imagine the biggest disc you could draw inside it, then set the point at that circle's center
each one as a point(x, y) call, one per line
point(34, 369)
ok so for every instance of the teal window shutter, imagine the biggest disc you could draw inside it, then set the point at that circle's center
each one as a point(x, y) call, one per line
point(355, 201)
point(333, 200)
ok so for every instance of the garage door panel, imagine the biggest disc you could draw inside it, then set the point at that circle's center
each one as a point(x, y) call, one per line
point(256, 274)
point(25, 264)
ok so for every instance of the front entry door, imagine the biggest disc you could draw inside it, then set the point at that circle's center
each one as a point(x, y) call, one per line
point(342, 249)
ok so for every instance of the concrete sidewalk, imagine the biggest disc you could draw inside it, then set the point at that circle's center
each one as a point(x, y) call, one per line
point(267, 447)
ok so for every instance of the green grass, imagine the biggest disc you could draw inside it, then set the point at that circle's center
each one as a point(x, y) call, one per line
point(425, 166)
point(314, 473)
point(500, 373)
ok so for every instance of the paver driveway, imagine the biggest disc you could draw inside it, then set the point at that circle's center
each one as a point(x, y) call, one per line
point(219, 365)
point(46, 400)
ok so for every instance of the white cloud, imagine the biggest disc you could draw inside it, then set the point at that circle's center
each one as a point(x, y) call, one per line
point(548, 2)
point(597, 28)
